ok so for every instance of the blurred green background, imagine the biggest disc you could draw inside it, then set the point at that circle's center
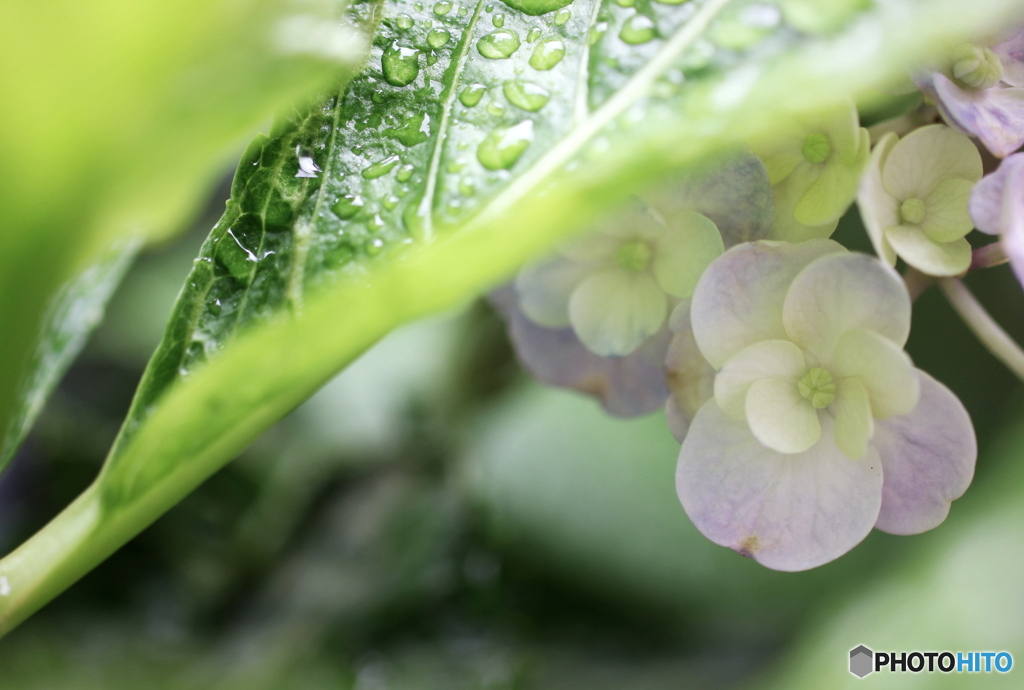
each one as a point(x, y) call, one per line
point(434, 519)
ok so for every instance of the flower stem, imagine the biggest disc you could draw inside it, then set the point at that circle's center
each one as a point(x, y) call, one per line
point(988, 256)
point(991, 335)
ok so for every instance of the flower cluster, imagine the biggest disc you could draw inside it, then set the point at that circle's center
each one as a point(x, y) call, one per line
point(776, 353)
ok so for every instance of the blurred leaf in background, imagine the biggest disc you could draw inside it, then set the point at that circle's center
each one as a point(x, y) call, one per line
point(116, 117)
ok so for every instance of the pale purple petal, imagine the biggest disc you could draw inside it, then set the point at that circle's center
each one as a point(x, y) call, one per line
point(788, 512)
point(928, 460)
point(738, 301)
point(987, 197)
point(1011, 54)
point(997, 207)
point(691, 380)
point(731, 189)
point(626, 386)
point(836, 293)
point(995, 115)
point(1013, 221)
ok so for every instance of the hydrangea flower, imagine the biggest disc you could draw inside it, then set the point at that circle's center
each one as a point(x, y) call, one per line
point(914, 199)
point(980, 90)
point(614, 286)
point(814, 166)
point(820, 427)
point(729, 194)
point(997, 208)
point(691, 379)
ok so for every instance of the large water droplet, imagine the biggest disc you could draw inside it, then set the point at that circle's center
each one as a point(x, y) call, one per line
point(536, 8)
point(404, 21)
point(498, 20)
point(380, 168)
point(498, 44)
point(638, 29)
point(348, 206)
point(547, 54)
point(438, 37)
point(526, 95)
point(472, 94)
point(442, 8)
point(503, 146)
point(562, 16)
point(401, 65)
point(414, 130)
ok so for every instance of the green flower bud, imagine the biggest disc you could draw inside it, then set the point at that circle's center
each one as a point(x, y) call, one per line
point(818, 387)
point(634, 256)
point(912, 211)
point(977, 66)
point(816, 148)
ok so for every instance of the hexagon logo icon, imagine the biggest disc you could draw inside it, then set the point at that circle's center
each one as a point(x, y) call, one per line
point(861, 661)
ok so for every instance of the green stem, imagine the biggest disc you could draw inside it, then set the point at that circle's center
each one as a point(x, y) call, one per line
point(991, 335)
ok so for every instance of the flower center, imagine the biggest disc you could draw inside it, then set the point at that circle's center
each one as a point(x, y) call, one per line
point(816, 148)
point(634, 256)
point(818, 387)
point(912, 211)
point(977, 66)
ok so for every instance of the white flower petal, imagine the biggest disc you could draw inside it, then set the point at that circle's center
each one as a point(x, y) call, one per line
point(946, 217)
point(738, 300)
point(996, 115)
point(927, 255)
point(681, 254)
point(837, 293)
point(1011, 54)
point(778, 359)
point(544, 288)
point(781, 418)
point(613, 311)
point(879, 209)
point(885, 370)
point(788, 512)
point(926, 157)
point(928, 459)
point(854, 426)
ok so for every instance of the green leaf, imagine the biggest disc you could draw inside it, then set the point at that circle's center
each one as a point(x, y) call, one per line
point(298, 279)
point(74, 313)
point(116, 116)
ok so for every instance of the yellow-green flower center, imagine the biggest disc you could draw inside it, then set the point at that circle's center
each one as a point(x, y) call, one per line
point(634, 256)
point(977, 66)
point(816, 148)
point(912, 211)
point(818, 387)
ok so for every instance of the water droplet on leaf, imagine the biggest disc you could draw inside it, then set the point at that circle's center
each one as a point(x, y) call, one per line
point(547, 54)
point(414, 130)
point(638, 29)
point(503, 146)
point(380, 168)
point(562, 16)
point(348, 206)
point(498, 20)
point(535, 8)
point(438, 37)
point(533, 35)
point(499, 44)
point(526, 95)
point(404, 21)
point(442, 8)
point(401, 65)
point(403, 174)
point(472, 94)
